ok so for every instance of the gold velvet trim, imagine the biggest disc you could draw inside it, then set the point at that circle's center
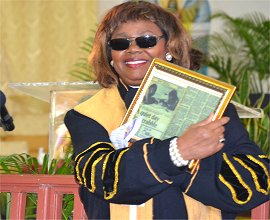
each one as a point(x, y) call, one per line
point(254, 176)
point(105, 164)
point(259, 163)
point(93, 169)
point(149, 166)
point(197, 210)
point(263, 156)
point(193, 177)
point(93, 145)
point(92, 189)
point(238, 176)
point(77, 170)
point(262, 166)
point(102, 105)
point(111, 194)
point(123, 84)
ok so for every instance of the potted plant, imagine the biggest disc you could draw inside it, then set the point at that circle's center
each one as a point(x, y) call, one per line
point(242, 46)
point(240, 56)
point(27, 164)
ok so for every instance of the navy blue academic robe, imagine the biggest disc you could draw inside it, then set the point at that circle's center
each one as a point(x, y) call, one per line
point(233, 180)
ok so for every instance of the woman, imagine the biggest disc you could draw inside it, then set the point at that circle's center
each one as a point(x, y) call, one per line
point(232, 176)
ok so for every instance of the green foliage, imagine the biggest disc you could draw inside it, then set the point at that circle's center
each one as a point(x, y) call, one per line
point(243, 46)
point(258, 128)
point(27, 164)
point(240, 56)
point(31, 204)
point(4, 205)
point(68, 206)
point(82, 70)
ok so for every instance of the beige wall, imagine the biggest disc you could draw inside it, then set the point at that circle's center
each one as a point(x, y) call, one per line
point(40, 42)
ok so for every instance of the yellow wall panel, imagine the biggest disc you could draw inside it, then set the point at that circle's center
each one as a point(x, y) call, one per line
point(39, 42)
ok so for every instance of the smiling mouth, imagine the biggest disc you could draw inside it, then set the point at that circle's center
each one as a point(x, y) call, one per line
point(135, 62)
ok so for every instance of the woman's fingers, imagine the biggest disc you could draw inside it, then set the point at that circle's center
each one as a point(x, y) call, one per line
point(205, 121)
point(202, 139)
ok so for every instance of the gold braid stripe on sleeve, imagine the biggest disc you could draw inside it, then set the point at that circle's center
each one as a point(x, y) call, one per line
point(239, 178)
point(109, 195)
point(254, 176)
point(79, 157)
point(149, 166)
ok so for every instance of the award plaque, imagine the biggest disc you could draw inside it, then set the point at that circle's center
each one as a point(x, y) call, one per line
point(171, 98)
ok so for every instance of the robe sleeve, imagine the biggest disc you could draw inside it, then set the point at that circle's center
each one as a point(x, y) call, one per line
point(235, 179)
point(128, 176)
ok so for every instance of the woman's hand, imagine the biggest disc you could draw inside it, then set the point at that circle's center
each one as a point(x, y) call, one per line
point(202, 139)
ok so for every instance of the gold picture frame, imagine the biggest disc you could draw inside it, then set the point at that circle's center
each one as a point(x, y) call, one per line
point(171, 98)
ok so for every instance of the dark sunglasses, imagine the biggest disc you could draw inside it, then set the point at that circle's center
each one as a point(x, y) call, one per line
point(146, 41)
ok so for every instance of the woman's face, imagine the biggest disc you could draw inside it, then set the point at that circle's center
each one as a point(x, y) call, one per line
point(131, 64)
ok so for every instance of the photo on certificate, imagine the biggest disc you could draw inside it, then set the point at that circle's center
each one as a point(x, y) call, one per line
point(171, 98)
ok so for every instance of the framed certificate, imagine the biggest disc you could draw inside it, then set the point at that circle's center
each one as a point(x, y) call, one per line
point(171, 98)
